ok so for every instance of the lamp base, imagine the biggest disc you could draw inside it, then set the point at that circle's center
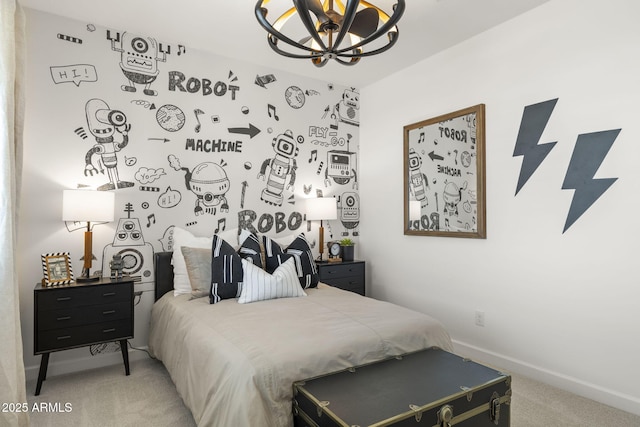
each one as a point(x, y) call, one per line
point(87, 277)
point(83, 279)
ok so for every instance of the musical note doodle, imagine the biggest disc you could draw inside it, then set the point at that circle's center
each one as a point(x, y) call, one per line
point(271, 110)
point(149, 218)
point(197, 112)
point(181, 50)
point(222, 222)
point(314, 156)
point(421, 137)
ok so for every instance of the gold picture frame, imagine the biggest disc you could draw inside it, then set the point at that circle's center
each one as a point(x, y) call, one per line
point(444, 175)
point(57, 269)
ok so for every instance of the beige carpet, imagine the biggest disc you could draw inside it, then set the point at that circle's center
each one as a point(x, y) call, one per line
point(106, 397)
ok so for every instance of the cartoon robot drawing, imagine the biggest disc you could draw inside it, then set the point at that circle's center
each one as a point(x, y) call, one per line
point(349, 207)
point(347, 110)
point(209, 182)
point(103, 123)
point(452, 196)
point(139, 58)
point(283, 165)
point(135, 254)
point(418, 183)
point(341, 168)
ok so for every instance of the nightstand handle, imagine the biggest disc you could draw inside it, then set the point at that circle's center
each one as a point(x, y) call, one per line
point(63, 318)
point(109, 294)
point(64, 299)
point(108, 312)
point(64, 337)
point(106, 331)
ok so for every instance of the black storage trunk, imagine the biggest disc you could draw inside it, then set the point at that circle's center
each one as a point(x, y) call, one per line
point(427, 388)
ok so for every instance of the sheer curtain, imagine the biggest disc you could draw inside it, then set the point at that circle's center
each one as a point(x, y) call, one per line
point(12, 45)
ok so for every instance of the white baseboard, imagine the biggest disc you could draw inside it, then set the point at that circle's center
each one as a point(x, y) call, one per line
point(574, 385)
point(69, 365)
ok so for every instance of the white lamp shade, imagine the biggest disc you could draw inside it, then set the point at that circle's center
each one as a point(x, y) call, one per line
point(414, 210)
point(87, 205)
point(321, 208)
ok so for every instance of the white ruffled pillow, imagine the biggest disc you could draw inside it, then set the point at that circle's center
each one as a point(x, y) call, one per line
point(259, 285)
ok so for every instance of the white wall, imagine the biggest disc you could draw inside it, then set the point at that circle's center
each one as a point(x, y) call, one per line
point(560, 307)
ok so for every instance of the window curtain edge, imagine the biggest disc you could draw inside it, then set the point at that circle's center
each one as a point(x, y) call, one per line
point(12, 72)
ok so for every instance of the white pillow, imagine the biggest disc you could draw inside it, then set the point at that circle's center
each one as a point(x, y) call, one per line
point(258, 285)
point(182, 237)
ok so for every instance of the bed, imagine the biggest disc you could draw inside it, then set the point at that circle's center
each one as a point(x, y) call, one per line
point(234, 364)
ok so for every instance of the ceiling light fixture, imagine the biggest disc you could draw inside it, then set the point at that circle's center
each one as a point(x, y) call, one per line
point(336, 29)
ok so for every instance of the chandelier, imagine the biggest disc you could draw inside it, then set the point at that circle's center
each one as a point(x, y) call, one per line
point(335, 29)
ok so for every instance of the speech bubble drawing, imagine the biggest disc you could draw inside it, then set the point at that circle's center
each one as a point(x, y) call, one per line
point(76, 73)
point(167, 239)
point(147, 176)
point(169, 198)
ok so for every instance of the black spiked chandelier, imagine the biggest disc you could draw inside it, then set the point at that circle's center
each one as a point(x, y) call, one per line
point(336, 29)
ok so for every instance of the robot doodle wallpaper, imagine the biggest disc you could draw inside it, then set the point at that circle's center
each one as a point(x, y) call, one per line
point(187, 139)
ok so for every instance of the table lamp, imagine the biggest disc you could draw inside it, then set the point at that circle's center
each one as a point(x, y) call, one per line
point(321, 208)
point(87, 206)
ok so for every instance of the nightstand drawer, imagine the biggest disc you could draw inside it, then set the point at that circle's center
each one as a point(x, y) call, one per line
point(83, 335)
point(353, 284)
point(52, 299)
point(75, 316)
point(330, 271)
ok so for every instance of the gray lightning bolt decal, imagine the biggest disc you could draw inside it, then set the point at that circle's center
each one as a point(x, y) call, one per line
point(588, 154)
point(534, 119)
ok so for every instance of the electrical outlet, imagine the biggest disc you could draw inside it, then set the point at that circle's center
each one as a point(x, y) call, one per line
point(479, 318)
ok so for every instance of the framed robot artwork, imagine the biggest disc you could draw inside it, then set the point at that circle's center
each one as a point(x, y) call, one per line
point(444, 174)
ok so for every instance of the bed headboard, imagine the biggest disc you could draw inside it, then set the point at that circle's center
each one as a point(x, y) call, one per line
point(164, 273)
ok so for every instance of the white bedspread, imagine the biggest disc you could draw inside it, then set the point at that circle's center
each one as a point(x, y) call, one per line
point(234, 364)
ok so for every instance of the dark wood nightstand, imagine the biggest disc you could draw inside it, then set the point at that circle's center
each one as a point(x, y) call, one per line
point(82, 314)
point(347, 275)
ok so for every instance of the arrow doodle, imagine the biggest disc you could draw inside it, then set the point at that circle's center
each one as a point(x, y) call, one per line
point(434, 156)
point(534, 119)
point(588, 155)
point(245, 184)
point(251, 130)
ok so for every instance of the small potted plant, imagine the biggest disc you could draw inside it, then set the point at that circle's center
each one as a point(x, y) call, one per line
point(347, 246)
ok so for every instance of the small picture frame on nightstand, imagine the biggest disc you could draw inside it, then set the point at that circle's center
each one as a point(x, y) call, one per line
point(57, 269)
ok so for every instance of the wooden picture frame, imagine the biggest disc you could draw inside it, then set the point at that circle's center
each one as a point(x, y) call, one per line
point(57, 269)
point(444, 175)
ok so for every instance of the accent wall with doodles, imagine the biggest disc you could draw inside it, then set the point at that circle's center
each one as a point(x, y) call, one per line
point(184, 139)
